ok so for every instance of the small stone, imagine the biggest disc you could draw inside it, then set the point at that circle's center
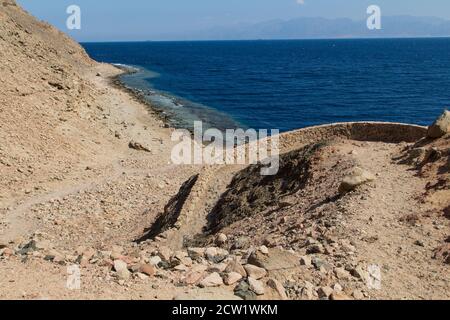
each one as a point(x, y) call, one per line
point(356, 178)
point(337, 288)
point(339, 296)
point(231, 278)
point(255, 272)
point(142, 276)
point(358, 295)
point(193, 278)
point(440, 127)
point(235, 266)
point(120, 265)
point(216, 255)
point(147, 269)
point(277, 259)
point(243, 291)
point(342, 274)
point(264, 250)
point(359, 273)
point(324, 292)
point(256, 286)
point(305, 261)
point(240, 243)
point(89, 253)
point(212, 280)
point(138, 146)
point(6, 252)
point(164, 253)
point(278, 287)
point(154, 261)
point(196, 253)
point(218, 267)
point(181, 267)
point(315, 248)
point(221, 239)
point(419, 243)
point(123, 274)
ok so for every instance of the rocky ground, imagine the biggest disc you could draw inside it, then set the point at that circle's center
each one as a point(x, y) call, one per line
point(357, 211)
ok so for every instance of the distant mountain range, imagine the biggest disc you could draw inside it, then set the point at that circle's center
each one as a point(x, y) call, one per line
point(309, 28)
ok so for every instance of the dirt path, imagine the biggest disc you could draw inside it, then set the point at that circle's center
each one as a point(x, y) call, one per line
point(402, 251)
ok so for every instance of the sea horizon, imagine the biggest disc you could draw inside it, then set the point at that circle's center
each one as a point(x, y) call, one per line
point(286, 84)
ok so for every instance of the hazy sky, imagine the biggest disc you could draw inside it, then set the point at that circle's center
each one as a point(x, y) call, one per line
point(106, 20)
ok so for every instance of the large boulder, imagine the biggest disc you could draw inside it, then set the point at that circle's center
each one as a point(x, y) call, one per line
point(440, 127)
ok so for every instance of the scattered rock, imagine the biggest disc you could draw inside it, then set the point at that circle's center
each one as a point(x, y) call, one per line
point(315, 248)
point(240, 243)
point(154, 261)
point(212, 280)
point(243, 291)
point(216, 255)
point(440, 127)
point(256, 286)
point(6, 252)
point(277, 259)
point(217, 267)
point(193, 278)
point(147, 269)
point(305, 261)
point(342, 274)
point(419, 243)
point(123, 274)
point(359, 273)
point(356, 178)
point(255, 272)
point(137, 146)
point(164, 253)
point(235, 266)
point(264, 250)
point(278, 287)
point(221, 239)
point(358, 295)
point(324, 292)
point(120, 265)
point(196, 253)
point(231, 278)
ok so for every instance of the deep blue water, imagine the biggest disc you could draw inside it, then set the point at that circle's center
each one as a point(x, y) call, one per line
point(289, 84)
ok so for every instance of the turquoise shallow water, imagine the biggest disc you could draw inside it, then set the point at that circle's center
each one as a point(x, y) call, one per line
point(289, 84)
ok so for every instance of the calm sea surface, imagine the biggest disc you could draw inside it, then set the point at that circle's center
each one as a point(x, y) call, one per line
point(288, 84)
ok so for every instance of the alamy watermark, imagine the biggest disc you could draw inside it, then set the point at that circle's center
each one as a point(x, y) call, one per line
point(374, 277)
point(374, 20)
point(73, 22)
point(73, 277)
point(234, 146)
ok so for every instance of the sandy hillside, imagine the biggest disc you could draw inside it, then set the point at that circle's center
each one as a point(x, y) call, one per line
point(357, 211)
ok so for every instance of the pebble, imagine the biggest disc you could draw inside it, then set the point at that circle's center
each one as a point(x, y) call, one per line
point(216, 255)
point(305, 261)
point(221, 239)
point(256, 286)
point(278, 287)
point(231, 278)
point(147, 269)
point(235, 266)
point(120, 265)
point(324, 292)
point(212, 280)
point(255, 272)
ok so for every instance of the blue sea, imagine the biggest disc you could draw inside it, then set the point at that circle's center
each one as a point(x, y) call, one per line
point(287, 85)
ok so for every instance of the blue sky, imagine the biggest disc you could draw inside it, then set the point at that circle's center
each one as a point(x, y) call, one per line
point(106, 20)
